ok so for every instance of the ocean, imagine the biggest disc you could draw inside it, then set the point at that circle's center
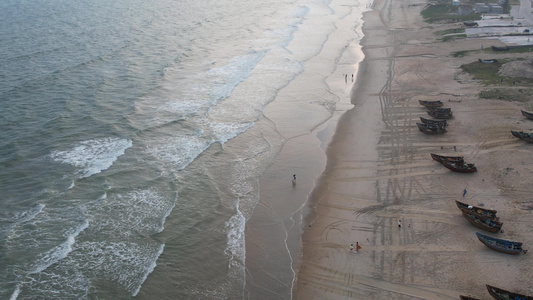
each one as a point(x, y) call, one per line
point(134, 138)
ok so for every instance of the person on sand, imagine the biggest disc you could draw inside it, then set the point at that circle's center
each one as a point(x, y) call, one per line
point(400, 224)
point(357, 247)
point(351, 248)
point(294, 178)
point(464, 192)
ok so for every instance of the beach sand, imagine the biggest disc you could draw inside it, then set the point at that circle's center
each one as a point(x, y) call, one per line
point(379, 171)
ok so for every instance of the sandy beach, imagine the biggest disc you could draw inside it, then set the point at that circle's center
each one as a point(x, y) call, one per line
point(379, 171)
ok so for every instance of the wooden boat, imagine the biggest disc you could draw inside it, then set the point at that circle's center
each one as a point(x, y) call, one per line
point(440, 115)
point(527, 114)
point(436, 103)
point(487, 61)
point(460, 167)
point(440, 109)
point(436, 122)
point(526, 136)
point(467, 297)
point(502, 294)
point(433, 126)
point(500, 245)
point(484, 212)
point(441, 158)
point(503, 48)
point(431, 129)
point(482, 222)
point(470, 23)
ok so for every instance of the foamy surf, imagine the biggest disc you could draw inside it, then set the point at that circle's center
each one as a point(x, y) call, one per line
point(57, 253)
point(92, 156)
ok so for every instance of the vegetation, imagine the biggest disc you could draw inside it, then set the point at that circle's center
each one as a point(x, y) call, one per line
point(453, 37)
point(520, 49)
point(462, 53)
point(487, 73)
point(450, 31)
point(508, 94)
point(501, 87)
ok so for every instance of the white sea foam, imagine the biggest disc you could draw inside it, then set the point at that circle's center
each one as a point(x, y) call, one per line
point(127, 264)
point(93, 156)
point(235, 248)
point(227, 77)
point(59, 252)
point(15, 293)
point(139, 212)
point(180, 151)
point(149, 270)
point(29, 214)
point(226, 131)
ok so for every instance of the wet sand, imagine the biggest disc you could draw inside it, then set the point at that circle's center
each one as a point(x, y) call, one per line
point(379, 171)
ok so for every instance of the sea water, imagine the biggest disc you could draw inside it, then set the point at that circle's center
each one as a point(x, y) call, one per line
point(121, 175)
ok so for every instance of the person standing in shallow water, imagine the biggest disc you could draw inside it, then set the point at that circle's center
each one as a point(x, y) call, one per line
point(294, 179)
point(400, 224)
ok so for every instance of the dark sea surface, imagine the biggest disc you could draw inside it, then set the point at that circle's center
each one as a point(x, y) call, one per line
point(118, 150)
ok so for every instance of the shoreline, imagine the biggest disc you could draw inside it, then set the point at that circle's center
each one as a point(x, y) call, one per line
point(379, 171)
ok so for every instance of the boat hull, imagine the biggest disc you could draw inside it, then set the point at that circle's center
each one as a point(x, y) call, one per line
point(500, 245)
point(527, 114)
point(442, 158)
point(457, 167)
point(483, 223)
point(437, 103)
point(502, 294)
point(483, 212)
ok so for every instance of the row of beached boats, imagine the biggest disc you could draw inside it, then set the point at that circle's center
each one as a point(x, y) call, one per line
point(480, 217)
point(434, 109)
point(486, 219)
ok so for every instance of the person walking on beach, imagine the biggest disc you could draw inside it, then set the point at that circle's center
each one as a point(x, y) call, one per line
point(351, 248)
point(464, 192)
point(294, 178)
point(357, 247)
point(399, 224)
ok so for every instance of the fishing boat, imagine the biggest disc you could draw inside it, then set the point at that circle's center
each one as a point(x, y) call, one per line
point(484, 212)
point(431, 129)
point(440, 115)
point(502, 294)
point(527, 114)
point(483, 222)
point(526, 136)
point(434, 122)
point(435, 103)
point(460, 167)
point(500, 48)
point(487, 61)
point(441, 158)
point(440, 109)
point(470, 23)
point(500, 245)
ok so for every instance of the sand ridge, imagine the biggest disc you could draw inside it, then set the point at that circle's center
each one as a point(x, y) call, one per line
point(379, 171)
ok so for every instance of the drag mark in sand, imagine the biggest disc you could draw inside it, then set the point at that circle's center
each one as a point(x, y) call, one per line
point(358, 287)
